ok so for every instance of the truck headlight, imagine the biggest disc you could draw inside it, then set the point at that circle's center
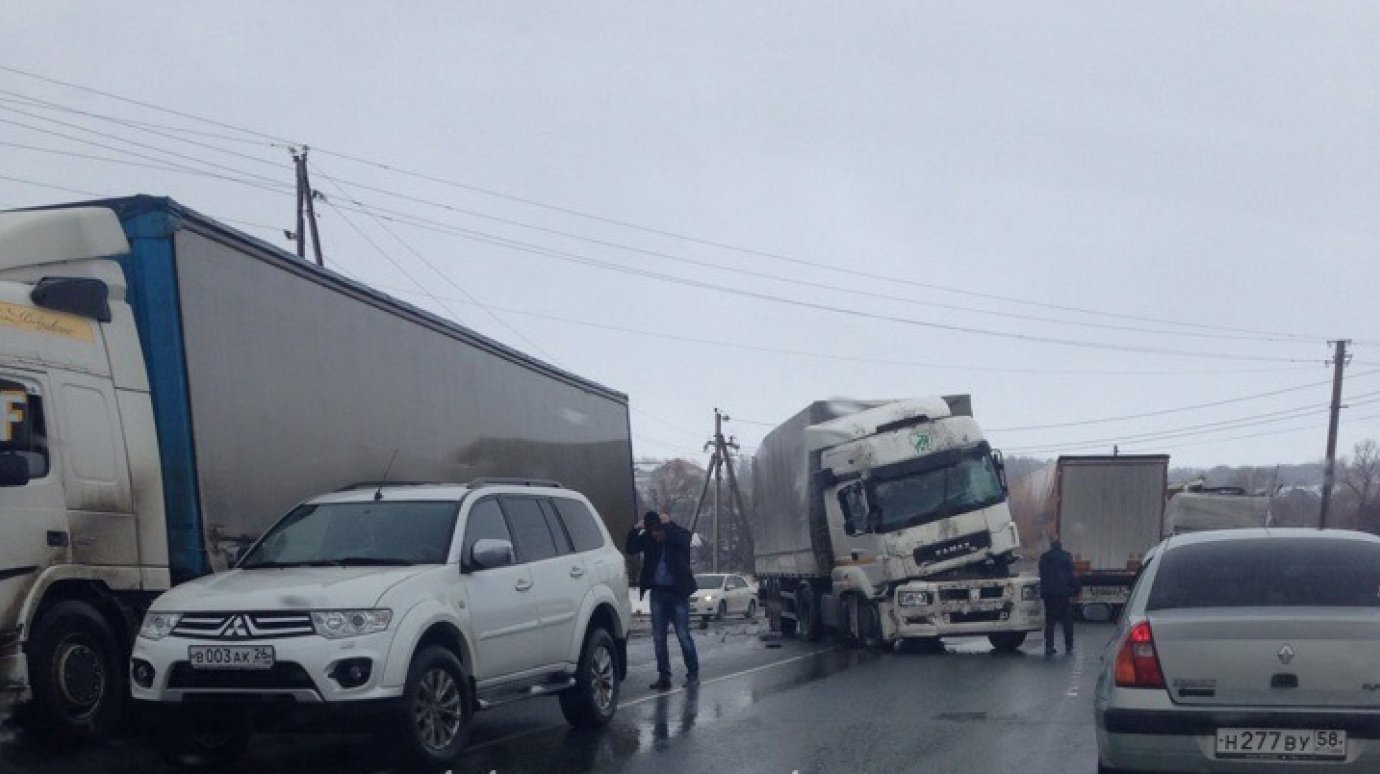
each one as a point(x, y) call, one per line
point(1030, 593)
point(156, 626)
point(913, 598)
point(336, 624)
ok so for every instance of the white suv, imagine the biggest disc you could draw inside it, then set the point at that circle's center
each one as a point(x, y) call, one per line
point(402, 609)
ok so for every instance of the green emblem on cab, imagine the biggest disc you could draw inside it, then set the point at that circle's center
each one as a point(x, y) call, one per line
point(921, 442)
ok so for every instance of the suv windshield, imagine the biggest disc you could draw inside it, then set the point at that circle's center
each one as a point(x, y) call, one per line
point(931, 495)
point(709, 581)
point(345, 534)
point(1268, 572)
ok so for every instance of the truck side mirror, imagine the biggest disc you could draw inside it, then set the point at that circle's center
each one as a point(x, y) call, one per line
point(999, 462)
point(489, 553)
point(14, 470)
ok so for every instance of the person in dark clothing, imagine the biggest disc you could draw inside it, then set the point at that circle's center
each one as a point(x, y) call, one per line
point(1058, 584)
point(665, 549)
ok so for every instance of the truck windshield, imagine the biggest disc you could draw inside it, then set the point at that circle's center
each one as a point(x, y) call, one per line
point(931, 495)
point(357, 534)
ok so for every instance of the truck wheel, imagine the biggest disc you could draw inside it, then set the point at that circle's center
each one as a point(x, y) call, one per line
point(870, 627)
point(1007, 642)
point(807, 613)
point(78, 669)
point(752, 610)
point(433, 720)
point(594, 697)
point(201, 750)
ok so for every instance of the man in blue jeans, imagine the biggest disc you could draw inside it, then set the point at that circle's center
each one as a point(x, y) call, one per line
point(665, 549)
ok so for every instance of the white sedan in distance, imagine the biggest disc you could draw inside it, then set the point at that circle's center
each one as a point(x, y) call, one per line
point(720, 596)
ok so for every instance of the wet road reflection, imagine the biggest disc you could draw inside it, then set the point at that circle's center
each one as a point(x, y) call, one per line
point(797, 707)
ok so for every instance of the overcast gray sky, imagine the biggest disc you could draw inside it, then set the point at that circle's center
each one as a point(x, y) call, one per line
point(1210, 168)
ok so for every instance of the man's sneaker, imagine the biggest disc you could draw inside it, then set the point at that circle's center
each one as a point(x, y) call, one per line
point(663, 684)
point(692, 680)
point(1049, 651)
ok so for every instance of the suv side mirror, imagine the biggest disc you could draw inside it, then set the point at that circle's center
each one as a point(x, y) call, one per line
point(489, 553)
point(14, 470)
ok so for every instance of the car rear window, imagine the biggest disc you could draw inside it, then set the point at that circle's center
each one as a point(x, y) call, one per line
point(1269, 572)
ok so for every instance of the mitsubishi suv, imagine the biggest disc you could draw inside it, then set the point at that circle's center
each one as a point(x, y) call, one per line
point(396, 609)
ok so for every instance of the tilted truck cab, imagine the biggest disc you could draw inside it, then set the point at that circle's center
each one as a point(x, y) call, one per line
point(888, 520)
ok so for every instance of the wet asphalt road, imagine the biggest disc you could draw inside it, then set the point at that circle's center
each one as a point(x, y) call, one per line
point(800, 707)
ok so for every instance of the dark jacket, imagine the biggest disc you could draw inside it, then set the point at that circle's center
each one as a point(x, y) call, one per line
point(677, 546)
point(1057, 578)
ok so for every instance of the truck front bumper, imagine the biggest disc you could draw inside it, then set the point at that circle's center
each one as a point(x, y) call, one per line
point(966, 608)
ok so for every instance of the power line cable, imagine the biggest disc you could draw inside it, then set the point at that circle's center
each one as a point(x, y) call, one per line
point(835, 357)
point(1175, 410)
point(929, 303)
point(1190, 430)
point(854, 272)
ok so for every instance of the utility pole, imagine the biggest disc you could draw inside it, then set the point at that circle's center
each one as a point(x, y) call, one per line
point(1338, 362)
point(720, 463)
point(306, 208)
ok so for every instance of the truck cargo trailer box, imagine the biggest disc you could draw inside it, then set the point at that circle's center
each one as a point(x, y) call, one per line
point(183, 385)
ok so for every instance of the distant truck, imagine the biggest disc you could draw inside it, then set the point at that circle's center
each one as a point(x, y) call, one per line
point(171, 387)
point(888, 521)
point(1106, 510)
point(1199, 511)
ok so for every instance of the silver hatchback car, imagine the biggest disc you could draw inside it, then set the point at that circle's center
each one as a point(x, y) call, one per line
point(1251, 650)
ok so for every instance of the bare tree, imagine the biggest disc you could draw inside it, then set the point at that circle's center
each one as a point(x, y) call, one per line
point(1360, 477)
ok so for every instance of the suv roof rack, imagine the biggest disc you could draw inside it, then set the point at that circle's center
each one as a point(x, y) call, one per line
point(501, 481)
point(358, 485)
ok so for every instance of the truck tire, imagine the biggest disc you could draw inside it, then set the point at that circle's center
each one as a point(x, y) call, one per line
point(807, 613)
point(432, 722)
point(78, 671)
point(591, 702)
point(1007, 642)
point(870, 628)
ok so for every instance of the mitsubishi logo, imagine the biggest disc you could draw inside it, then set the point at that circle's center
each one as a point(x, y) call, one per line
point(1286, 654)
point(235, 628)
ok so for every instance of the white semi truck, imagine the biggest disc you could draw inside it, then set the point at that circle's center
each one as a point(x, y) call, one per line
point(888, 521)
point(171, 387)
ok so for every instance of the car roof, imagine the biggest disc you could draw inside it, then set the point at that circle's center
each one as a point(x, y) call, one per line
point(436, 492)
point(1258, 533)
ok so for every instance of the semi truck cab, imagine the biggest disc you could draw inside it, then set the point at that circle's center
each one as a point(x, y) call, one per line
point(915, 500)
point(82, 536)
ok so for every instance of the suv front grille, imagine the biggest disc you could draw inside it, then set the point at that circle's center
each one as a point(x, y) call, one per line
point(283, 675)
point(243, 626)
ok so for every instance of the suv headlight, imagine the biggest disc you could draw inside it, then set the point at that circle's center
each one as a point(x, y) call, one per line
point(156, 626)
point(1031, 592)
point(913, 598)
point(335, 624)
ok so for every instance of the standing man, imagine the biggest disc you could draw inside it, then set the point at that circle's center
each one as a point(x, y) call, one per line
point(1058, 583)
point(665, 549)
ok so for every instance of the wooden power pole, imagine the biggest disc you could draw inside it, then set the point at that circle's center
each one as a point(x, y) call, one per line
point(1338, 362)
point(720, 465)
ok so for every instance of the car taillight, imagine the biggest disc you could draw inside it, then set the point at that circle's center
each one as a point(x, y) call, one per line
point(1137, 665)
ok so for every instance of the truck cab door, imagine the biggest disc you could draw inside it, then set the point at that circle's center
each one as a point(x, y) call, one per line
point(33, 524)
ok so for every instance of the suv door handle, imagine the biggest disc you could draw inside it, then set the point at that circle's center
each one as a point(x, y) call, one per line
point(576, 571)
point(523, 584)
